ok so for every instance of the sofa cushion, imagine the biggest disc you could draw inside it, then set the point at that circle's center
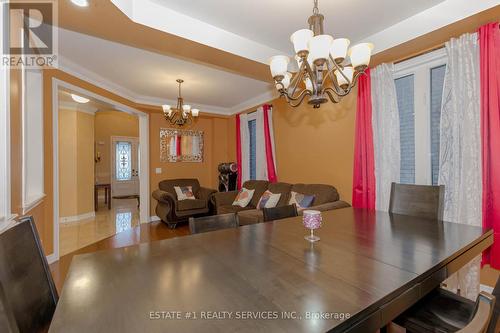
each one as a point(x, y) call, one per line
point(260, 186)
point(168, 185)
point(191, 204)
point(251, 216)
point(322, 193)
point(184, 193)
point(226, 209)
point(243, 197)
point(268, 200)
point(284, 189)
point(301, 200)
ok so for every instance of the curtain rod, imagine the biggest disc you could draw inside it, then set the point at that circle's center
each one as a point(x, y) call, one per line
point(256, 110)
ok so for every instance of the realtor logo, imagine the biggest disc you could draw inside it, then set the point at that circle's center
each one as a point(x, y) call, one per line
point(29, 33)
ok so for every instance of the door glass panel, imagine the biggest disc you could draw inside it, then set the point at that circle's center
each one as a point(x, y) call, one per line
point(123, 160)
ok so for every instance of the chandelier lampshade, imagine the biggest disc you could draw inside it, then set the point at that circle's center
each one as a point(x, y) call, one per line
point(183, 114)
point(327, 68)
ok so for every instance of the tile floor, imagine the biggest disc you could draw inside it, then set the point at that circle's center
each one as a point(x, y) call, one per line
point(124, 215)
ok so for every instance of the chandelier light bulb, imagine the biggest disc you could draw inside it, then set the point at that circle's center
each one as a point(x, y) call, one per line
point(338, 51)
point(286, 80)
point(195, 112)
point(279, 65)
point(300, 40)
point(319, 47)
point(186, 108)
point(360, 54)
point(309, 85)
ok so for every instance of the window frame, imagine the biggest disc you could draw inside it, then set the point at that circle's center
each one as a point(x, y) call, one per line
point(251, 117)
point(420, 67)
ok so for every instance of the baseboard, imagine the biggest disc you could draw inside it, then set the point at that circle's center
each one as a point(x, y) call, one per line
point(52, 258)
point(488, 289)
point(76, 218)
point(154, 218)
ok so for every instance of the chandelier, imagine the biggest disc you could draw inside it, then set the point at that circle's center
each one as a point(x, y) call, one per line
point(182, 114)
point(326, 66)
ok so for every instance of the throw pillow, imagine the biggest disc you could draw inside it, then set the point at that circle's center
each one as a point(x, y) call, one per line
point(268, 200)
point(184, 193)
point(301, 200)
point(243, 198)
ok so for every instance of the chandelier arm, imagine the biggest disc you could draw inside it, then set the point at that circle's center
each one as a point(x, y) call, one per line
point(311, 74)
point(300, 98)
point(334, 97)
point(297, 79)
point(329, 73)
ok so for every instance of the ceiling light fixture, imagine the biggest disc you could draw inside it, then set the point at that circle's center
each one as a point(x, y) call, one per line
point(79, 99)
point(81, 3)
point(323, 66)
point(183, 114)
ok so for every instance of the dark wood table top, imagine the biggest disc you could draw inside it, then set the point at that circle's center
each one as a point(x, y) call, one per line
point(363, 260)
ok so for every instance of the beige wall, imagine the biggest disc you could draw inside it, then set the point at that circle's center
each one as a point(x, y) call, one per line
point(76, 162)
point(107, 124)
point(216, 140)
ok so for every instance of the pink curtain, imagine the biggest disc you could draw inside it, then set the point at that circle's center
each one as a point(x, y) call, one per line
point(238, 149)
point(363, 187)
point(271, 169)
point(489, 44)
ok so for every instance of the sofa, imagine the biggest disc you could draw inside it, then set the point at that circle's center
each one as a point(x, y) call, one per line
point(172, 211)
point(326, 198)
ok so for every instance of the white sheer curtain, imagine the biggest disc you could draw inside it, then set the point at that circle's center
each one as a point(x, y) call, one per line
point(385, 122)
point(245, 148)
point(460, 148)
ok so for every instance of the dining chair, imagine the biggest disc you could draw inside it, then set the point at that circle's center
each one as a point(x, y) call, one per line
point(443, 311)
point(28, 295)
point(417, 200)
point(278, 213)
point(213, 223)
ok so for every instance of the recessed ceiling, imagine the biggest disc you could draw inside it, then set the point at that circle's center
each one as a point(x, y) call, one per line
point(94, 105)
point(151, 78)
point(271, 22)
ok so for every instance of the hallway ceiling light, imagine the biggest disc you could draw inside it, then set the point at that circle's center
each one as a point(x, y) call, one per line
point(182, 114)
point(79, 99)
point(323, 66)
point(81, 3)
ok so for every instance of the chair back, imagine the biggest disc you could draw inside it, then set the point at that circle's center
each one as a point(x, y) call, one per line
point(278, 213)
point(494, 326)
point(213, 223)
point(167, 185)
point(28, 295)
point(417, 200)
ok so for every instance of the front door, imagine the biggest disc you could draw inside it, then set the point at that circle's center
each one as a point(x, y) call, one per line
point(124, 166)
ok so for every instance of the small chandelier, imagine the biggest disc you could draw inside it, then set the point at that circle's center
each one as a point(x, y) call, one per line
point(182, 114)
point(324, 69)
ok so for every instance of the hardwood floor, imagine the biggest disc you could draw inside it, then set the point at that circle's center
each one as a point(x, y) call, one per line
point(140, 234)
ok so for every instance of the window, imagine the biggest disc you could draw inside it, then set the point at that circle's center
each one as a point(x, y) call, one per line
point(406, 104)
point(419, 88)
point(32, 135)
point(252, 129)
point(123, 160)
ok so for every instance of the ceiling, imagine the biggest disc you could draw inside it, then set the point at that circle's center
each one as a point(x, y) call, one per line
point(147, 77)
point(94, 105)
point(271, 22)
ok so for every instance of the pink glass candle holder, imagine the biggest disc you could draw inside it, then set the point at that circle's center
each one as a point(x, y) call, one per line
point(312, 220)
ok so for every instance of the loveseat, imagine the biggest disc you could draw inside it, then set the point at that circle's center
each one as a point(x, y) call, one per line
point(172, 211)
point(326, 198)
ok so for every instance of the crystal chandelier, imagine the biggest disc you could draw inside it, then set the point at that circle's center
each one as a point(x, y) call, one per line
point(182, 114)
point(326, 66)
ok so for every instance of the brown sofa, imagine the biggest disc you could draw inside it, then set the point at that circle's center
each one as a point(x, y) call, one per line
point(172, 211)
point(326, 198)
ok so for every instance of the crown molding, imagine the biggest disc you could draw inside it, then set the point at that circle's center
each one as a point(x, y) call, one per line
point(434, 18)
point(84, 74)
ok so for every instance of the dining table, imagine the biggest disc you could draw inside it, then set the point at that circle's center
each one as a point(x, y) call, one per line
point(367, 268)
